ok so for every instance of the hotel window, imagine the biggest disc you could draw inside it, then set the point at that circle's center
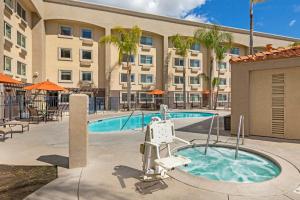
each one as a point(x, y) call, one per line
point(178, 97)
point(146, 59)
point(21, 11)
point(65, 98)
point(7, 30)
point(235, 51)
point(147, 78)
point(65, 76)
point(21, 40)
point(124, 58)
point(65, 54)
point(86, 55)
point(124, 97)
point(222, 66)
point(222, 98)
point(196, 47)
point(7, 64)
point(145, 97)
point(194, 63)
point(65, 31)
point(178, 80)
point(194, 97)
point(179, 62)
point(194, 80)
point(9, 3)
point(123, 78)
point(146, 41)
point(86, 33)
point(21, 69)
point(86, 76)
point(223, 81)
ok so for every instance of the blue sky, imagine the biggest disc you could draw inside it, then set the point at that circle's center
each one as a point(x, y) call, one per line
point(281, 17)
point(273, 16)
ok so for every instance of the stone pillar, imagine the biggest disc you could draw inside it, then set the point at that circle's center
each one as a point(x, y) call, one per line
point(107, 69)
point(78, 133)
point(1, 36)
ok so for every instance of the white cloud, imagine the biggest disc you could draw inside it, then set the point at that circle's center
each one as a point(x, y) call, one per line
point(292, 23)
point(197, 18)
point(172, 8)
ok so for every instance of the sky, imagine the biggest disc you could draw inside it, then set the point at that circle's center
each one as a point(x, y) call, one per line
point(280, 17)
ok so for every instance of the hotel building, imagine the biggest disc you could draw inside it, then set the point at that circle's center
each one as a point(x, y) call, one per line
point(59, 41)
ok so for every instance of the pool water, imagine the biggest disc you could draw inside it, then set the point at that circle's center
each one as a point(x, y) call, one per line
point(135, 122)
point(219, 164)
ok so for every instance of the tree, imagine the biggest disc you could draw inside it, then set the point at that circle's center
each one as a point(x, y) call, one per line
point(127, 42)
point(220, 55)
point(183, 45)
point(252, 2)
point(213, 39)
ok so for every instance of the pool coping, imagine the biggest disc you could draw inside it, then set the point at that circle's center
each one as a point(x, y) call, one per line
point(139, 129)
point(286, 181)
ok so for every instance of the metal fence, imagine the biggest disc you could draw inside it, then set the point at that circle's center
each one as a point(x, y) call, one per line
point(16, 107)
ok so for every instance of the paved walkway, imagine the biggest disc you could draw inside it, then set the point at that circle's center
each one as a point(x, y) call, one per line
point(114, 164)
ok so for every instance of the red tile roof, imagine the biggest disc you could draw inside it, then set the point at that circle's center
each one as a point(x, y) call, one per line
point(271, 53)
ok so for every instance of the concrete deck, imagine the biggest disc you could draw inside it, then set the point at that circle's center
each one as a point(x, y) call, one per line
point(115, 166)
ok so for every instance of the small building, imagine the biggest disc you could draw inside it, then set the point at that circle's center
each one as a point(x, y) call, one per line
point(266, 90)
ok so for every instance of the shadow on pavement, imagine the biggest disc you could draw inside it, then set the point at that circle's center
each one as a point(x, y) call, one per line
point(143, 187)
point(56, 160)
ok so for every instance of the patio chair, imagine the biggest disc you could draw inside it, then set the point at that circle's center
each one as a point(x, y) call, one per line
point(158, 134)
point(4, 130)
point(35, 115)
point(13, 123)
point(54, 112)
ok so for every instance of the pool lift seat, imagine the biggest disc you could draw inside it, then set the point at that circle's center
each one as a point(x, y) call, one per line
point(158, 134)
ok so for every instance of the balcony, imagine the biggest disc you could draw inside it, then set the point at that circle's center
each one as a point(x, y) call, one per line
point(146, 47)
point(146, 67)
point(195, 69)
point(86, 84)
point(87, 42)
point(124, 85)
point(195, 53)
point(8, 10)
point(147, 86)
point(86, 63)
point(179, 86)
point(179, 68)
point(23, 24)
point(195, 87)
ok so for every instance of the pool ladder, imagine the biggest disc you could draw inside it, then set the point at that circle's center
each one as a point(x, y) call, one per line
point(210, 130)
point(241, 129)
point(143, 120)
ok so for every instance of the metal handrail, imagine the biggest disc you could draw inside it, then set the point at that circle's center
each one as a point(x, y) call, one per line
point(241, 126)
point(143, 120)
point(209, 133)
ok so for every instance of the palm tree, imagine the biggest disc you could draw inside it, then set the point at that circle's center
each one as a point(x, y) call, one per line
point(220, 55)
point(183, 45)
point(213, 38)
point(127, 42)
point(294, 44)
point(252, 2)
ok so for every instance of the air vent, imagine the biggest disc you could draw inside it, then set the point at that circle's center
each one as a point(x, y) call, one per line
point(278, 92)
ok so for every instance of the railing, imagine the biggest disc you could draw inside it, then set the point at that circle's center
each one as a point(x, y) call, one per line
point(241, 126)
point(143, 120)
point(210, 130)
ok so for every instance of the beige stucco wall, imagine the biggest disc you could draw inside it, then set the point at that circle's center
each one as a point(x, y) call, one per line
point(54, 41)
point(255, 76)
point(12, 50)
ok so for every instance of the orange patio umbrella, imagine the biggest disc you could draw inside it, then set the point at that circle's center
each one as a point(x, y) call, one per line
point(46, 85)
point(156, 92)
point(7, 79)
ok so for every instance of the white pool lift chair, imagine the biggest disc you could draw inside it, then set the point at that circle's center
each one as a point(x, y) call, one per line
point(160, 134)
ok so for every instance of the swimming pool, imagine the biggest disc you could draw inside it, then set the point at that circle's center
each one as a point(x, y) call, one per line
point(220, 164)
point(135, 122)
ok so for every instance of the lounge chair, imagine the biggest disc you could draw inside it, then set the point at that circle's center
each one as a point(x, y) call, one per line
point(158, 134)
point(13, 123)
point(35, 115)
point(4, 130)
